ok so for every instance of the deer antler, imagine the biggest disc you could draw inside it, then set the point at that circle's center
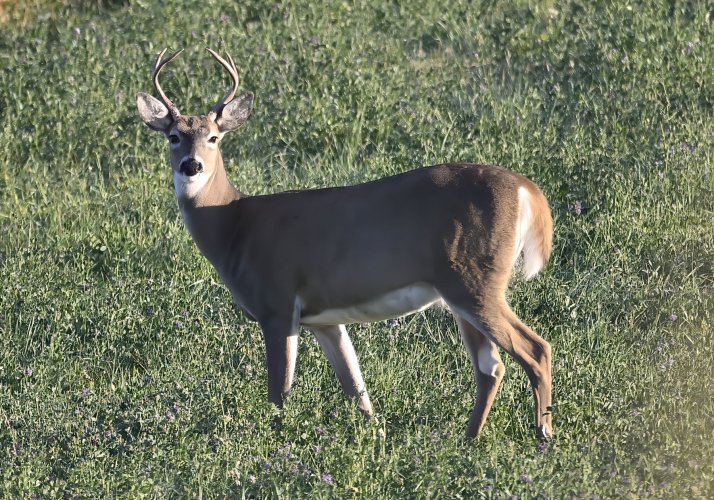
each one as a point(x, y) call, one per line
point(175, 113)
point(231, 68)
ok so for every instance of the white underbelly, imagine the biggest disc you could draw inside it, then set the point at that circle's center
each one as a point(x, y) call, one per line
point(393, 304)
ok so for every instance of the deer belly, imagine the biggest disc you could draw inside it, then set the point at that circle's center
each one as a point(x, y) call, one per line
point(393, 304)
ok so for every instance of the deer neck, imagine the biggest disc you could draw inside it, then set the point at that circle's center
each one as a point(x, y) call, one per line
point(208, 208)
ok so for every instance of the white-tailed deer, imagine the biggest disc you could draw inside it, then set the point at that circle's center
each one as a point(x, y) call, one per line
point(327, 257)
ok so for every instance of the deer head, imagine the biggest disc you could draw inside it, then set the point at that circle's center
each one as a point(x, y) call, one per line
point(194, 140)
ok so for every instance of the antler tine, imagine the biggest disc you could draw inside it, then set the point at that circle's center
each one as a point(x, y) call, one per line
point(231, 68)
point(158, 66)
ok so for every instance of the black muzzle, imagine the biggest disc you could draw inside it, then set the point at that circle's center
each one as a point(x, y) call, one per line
point(191, 167)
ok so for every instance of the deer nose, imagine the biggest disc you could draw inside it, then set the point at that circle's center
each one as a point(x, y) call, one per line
point(191, 167)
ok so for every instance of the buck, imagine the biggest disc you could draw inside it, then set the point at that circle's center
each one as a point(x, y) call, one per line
point(324, 258)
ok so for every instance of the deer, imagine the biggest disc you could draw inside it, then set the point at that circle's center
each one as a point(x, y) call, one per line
point(324, 258)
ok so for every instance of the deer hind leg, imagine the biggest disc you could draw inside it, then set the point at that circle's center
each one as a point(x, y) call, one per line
point(535, 355)
point(488, 372)
point(337, 346)
point(499, 324)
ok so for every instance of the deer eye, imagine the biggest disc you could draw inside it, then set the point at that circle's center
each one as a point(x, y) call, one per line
point(174, 139)
point(213, 139)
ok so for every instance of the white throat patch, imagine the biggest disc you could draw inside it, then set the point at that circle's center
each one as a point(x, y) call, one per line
point(189, 187)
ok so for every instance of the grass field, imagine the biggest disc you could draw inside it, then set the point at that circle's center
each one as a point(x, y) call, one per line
point(124, 369)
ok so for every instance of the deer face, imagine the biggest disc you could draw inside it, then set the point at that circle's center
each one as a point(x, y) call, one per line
point(193, 144)
point(194, 140)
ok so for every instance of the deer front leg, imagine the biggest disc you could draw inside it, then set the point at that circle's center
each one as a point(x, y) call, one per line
point(337, 346)
point(281, 342)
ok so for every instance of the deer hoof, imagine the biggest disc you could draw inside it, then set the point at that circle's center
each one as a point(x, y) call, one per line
point(544, 432)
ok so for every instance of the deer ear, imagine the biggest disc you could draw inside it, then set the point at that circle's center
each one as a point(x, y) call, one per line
point(153, 112)
point(235, 113)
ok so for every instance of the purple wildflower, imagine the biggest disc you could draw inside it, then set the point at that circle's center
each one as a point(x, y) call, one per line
point(577, 207)
point(328, 479)
point(179, 324)
point(673, 317)
point(526, 478)
point(28, 372)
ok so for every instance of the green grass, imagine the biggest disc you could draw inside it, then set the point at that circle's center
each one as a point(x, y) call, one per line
point(124, 369)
